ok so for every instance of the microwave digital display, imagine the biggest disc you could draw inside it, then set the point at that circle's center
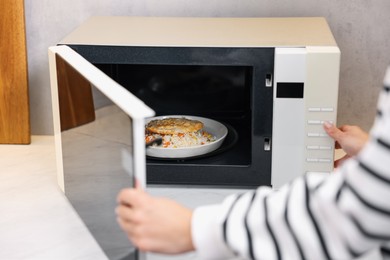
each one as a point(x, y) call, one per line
point(289, 90)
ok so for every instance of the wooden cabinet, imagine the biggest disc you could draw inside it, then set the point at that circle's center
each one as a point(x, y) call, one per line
point(14, 101)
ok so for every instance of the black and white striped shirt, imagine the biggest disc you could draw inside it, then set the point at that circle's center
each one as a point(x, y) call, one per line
point(340, 216)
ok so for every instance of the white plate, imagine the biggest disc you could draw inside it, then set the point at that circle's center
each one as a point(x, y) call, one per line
point(211, 126)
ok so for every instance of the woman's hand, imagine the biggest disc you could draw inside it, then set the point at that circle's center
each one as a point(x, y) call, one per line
point(154, 224)
point(349, 138)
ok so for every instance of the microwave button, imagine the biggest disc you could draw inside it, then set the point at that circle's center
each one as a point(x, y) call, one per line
point(318, 122)
point(313, 134)
point(324, 160)
point(314, 109)
point(313, 147)
point(311, 160)
point(314, 122)
point(325, 148)
point(327, 109)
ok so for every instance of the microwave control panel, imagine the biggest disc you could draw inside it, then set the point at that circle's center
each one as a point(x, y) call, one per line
point(305, 96)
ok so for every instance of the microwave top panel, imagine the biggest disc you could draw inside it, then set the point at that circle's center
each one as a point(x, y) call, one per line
point(202, 32)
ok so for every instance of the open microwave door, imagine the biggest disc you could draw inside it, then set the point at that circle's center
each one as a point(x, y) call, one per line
point(100, 147)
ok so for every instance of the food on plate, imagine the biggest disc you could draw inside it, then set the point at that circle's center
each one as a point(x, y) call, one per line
point(177, 132)
point(172, 126)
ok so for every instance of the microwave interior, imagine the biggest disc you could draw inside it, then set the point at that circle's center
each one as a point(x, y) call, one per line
point(230, 85)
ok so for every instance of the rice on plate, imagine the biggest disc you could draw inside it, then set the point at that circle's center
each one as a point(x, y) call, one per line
point(179, 140)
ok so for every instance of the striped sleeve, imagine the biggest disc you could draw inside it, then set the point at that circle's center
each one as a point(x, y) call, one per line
point(338, 217)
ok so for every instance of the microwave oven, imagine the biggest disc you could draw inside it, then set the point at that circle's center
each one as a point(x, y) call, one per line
point(271, 82)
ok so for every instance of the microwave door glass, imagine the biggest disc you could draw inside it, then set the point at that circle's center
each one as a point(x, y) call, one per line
point(100, 142)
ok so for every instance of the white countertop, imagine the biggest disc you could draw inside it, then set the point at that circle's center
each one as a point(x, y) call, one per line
point(37, 221)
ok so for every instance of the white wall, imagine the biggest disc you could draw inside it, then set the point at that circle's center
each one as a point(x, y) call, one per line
point(361, 29)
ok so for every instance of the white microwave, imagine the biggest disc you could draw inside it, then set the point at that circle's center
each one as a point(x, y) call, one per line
point(271, 82)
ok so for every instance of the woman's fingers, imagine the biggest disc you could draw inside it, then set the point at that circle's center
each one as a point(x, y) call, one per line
point(128, 226)
point(132, 197)
point(125, 213)
point(333, 131)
